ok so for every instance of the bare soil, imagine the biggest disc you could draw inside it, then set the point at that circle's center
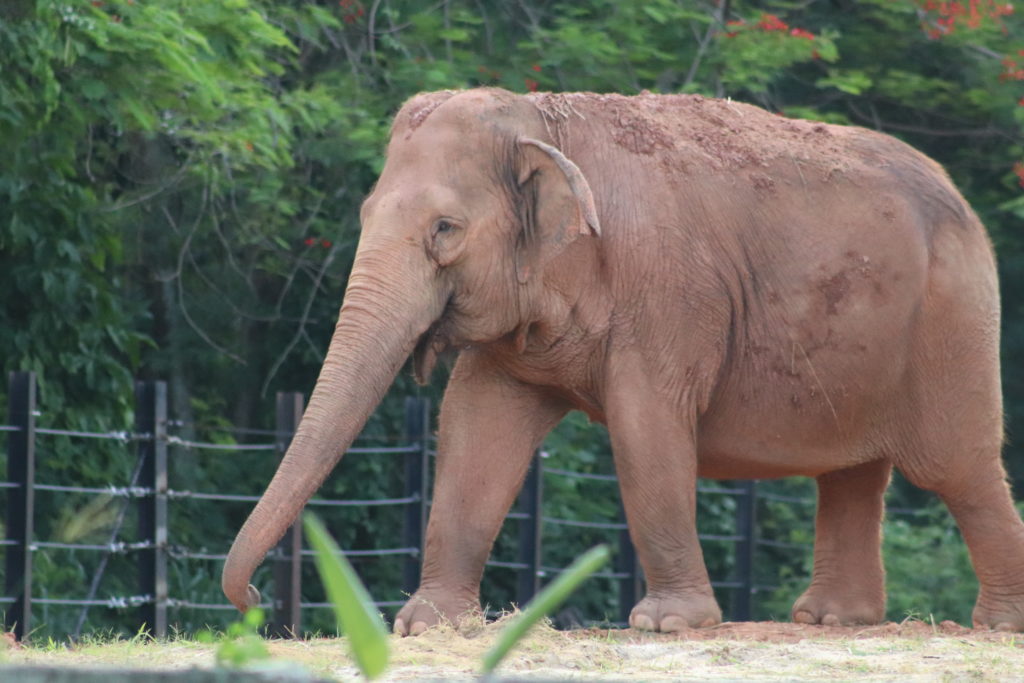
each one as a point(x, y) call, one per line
point(778, 632)
point(912, 650)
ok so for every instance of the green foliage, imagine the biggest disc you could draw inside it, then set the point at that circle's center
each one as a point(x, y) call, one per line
point(179, 197)
point(241, 646)
point(353, 607)
point(928, 569)
point(544, 603)
point(366, 632)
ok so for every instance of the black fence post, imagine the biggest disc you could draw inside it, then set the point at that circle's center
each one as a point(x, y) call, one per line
point(287, 619)
point(151, 420)
point(746, 528)
point(631, 586)
point(531, 502)
point(21, 470)
point(417, 471)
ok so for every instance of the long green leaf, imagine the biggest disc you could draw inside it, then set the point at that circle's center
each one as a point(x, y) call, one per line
point(545, 602)
point(353, 606)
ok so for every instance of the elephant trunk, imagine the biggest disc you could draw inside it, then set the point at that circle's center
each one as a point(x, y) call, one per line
point(387, 308)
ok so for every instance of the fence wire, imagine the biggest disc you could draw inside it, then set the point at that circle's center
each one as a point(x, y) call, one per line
point(424, 446)
point(123, 436)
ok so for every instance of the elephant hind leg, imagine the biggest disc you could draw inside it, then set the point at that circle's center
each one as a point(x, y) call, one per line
point(995, 538)
point(848, 583)
point(957, 442)
point(983, 508)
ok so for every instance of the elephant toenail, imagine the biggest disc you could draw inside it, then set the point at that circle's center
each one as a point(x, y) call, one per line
point(642, 622)
point(673, 624)
point(830, 620)
point(804, 617)
point(400, 627)
point(710, 621)
point(1005, 626)
point(418, 627)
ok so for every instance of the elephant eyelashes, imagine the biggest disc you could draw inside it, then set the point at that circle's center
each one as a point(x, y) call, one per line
point(442, 227)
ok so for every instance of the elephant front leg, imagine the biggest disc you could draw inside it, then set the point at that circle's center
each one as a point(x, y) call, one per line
point(490, 427)
point(655, 458)
point(848, 583)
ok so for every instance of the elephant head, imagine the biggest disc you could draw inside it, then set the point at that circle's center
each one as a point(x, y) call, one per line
point(470, 207)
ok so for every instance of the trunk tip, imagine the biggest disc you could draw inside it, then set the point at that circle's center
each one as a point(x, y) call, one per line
point(252, 597)
point(244, 604)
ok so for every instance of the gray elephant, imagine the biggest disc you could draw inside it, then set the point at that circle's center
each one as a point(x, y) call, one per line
point(734, 294)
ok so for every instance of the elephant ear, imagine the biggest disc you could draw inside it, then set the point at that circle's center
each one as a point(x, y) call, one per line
point(556, 206)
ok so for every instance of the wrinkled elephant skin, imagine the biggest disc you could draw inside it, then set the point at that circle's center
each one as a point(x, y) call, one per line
point(733, 294)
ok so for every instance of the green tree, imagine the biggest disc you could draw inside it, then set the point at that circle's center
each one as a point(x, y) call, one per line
point(181, 181)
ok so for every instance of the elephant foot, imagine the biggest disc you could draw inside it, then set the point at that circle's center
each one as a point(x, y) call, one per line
point(429, 608)
point(674, 613)
point(999, 615)
point(832, 607)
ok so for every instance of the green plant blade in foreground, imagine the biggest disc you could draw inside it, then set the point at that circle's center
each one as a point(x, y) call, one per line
point(545, 602)
point(353, 607)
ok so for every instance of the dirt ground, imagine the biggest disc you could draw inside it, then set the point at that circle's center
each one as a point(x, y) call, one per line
point(912, 650)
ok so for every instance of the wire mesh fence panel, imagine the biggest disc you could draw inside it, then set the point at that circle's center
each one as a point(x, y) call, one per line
point(144, 541)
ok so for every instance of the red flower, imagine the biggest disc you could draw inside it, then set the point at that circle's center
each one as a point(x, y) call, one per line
point(770, 22)
point(1018, 169)
point(536, 67)
point(735, 23)
point(802, 33)
point(532, 85)
point(309, 241)
point(326, 244)
point(97, 3)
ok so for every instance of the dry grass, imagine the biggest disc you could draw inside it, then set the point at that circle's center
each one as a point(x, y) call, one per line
point(911, 651)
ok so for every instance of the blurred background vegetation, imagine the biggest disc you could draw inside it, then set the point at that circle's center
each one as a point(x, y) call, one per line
point(179, 193)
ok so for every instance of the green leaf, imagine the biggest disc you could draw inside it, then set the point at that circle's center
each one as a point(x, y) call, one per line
point(852, 81)
point(457, 35)
point(553, 595)
point(353, 606)
point(93, 89)
point(655, 13)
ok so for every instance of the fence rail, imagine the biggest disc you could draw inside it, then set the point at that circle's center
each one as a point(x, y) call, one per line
point(150, 492)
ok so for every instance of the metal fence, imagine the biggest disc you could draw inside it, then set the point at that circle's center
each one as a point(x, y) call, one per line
point(149, 491)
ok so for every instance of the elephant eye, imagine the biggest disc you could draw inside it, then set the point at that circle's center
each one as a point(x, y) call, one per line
point(443, 226)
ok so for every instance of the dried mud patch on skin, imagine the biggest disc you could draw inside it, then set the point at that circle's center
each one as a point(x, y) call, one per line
point(420, 107)
point(691, 131)
point(640, 135)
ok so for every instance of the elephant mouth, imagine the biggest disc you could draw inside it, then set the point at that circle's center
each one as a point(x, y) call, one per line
point(431, 344)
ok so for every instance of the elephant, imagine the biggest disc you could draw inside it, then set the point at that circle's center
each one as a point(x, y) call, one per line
point(732, 293)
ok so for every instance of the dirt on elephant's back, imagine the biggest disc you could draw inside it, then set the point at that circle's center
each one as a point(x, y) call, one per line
point(782, 632)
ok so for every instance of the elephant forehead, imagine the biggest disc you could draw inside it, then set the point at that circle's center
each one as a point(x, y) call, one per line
point(456, 161)
point(409, 198)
